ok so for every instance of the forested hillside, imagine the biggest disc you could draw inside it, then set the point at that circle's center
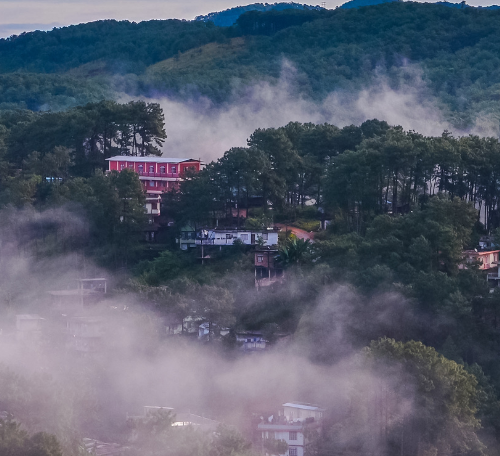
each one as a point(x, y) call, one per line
point(229, 17)
point(454, 51)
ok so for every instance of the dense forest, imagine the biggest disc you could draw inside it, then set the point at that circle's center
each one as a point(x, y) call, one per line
point(376, 317)
point(455, 52)
point(401, 206)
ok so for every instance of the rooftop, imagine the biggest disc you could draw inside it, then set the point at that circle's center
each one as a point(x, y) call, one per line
point(91, 280)
point(125, 158)
point(29, 317)
point(303, 406)
point(77, 292)
point(480, 252)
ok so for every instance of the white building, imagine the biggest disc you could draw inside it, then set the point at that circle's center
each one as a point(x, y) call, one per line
point(266, 237)
point(85, 334)
point(251, 340)
point(290, 426)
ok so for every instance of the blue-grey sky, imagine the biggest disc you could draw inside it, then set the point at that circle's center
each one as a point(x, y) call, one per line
point(17, 16)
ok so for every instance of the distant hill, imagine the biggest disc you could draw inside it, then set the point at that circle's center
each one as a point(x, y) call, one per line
point(455, 51)
point(460, 5)
point(360, 3)
point(464, 5)
point(229, 17)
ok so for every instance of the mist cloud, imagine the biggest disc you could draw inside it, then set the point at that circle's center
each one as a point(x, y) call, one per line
point(201, 129)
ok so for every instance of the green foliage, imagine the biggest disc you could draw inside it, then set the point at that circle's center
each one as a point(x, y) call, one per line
point(121, 45)
point(16, 442)
point(456, 51)
point(294, 252)
point(442, 393)
point(274, 446)
point(55, 92)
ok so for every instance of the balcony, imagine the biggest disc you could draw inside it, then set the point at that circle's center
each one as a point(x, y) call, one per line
point(217, 241)
point(171, 175)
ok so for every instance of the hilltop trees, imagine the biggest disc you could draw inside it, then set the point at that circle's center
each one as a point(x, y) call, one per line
point(354, 173)
point(92, 132)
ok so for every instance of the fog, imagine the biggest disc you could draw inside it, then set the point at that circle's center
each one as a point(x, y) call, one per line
point(201, 129)
point(50, 387)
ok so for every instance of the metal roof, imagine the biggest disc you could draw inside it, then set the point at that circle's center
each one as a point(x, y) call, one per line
point(29, 317)
point(125, 158)
point(303, 406)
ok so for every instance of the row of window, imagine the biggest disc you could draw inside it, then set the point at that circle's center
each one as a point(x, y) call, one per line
point(292, 435)
point(244, 237)
point(140, 168)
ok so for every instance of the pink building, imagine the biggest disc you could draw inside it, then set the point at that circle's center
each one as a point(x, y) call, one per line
point(486, 260)
point(158, 175)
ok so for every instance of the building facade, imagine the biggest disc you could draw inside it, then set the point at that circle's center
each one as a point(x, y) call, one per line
point(267, 269)
point(221, 237)
point(157, 175)
point(486, 260)
point(290, 426)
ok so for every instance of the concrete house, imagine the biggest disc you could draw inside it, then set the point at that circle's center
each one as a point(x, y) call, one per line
point(251, 341)
point(267, 270)
point(290, 425)
point(222, 237)
point(85, 334)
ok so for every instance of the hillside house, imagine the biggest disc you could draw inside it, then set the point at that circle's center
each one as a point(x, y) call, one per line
point(97, 448)
point(88, 293)
point(251, 341)
point(290, 425)
point(224, 237)
point(487, 259)
point(157, 175)
point(85, 334)
point(207, 331)
point(267, 270)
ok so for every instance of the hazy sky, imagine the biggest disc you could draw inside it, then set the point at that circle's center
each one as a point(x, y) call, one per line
point(17, 16)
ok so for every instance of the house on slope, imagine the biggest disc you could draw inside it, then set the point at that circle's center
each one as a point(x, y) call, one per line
point(291, 426)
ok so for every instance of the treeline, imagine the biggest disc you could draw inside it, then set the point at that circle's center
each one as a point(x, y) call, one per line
point(41, 92)
point(126, 46)
point(92, 133)
point(354, 173)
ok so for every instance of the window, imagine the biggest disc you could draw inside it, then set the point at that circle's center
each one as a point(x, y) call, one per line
point(141, 168)
point(151, 183)
point(162, 169)
point(229, 236)
point(265, 236)
point(151, 168)
point(260, 258)
point(292, 435)
point(174, 169)
point(244, 237)
point(122, 166)
point(131, 165)
point(292, 452)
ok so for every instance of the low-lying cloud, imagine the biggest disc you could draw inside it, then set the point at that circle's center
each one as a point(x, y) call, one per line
point(201, 129)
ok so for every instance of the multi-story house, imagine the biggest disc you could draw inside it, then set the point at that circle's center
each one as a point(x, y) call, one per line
point(291, 425)
point(158, 175)
point(267, 269)
point(221, 237)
